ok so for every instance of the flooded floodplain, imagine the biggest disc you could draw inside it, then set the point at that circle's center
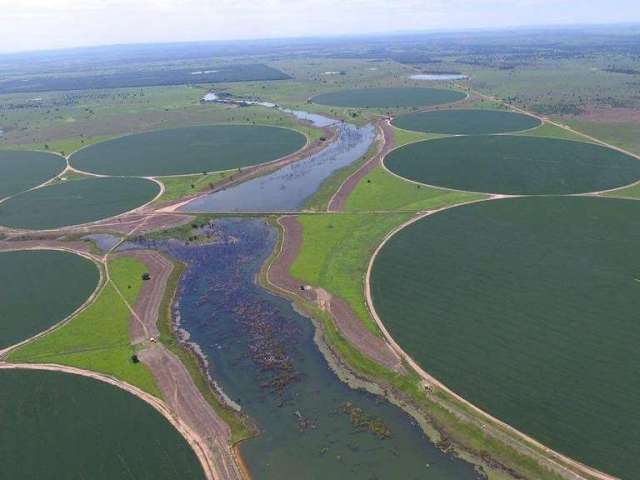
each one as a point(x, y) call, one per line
point(286, 189)
point(262, 353)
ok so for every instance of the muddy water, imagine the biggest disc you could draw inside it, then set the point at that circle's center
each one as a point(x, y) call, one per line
point(262, 353)
point(286, 189)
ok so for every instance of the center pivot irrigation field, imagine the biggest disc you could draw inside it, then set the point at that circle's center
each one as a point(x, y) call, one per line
point(514, 165)
point(528, 308)
point(188, 150)
point(39, 289)
point(466, 122)
point(76, 202)
point(20, 171)
point(56, 425)
point(389, 97)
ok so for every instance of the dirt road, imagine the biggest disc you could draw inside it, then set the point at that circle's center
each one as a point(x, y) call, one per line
point(187, 404)
point(386, 143)
point(143, 320)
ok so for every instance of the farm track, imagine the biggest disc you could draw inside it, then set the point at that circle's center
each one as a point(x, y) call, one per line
point(187, 403)
point(385, 145)
point(142, 323)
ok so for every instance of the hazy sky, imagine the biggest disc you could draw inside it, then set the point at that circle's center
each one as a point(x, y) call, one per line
point(38, 24)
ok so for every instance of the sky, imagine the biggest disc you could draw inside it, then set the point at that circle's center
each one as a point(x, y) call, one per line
point(48, 24)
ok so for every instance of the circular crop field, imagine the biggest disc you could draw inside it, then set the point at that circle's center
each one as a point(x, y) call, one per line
point(188, 150)
point(513, 165)
point(466, 122)
point(20, 171)
point(58, 425)
point(76, 202)
point(39, 288)
point(388, 97)
point(528, 307)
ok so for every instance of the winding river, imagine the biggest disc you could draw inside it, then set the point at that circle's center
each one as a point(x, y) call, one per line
point(287, 189)
point(263, 355)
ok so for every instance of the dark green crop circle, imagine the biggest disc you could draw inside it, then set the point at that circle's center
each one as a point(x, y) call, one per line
point(466, 122)
point(514, 165)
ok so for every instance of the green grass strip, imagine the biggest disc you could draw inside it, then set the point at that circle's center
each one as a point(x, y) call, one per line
point(380, 190)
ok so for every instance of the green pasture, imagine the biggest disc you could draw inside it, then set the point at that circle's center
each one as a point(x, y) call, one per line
point(403, 137)
point(180, 186)
point(76, 202)
point(188, 150)
point(58, 425)
point(527, 308)
point(39, 288)
point(381, 191)
point(514, 165)
point(335, 253)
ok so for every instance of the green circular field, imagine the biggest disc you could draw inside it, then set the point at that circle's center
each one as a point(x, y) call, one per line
point(61, 426)
point(39, 288)
point(20, 171)
point(528, 307)
point(76, 202)
point(388, 97)
point(513, 165)
point(188, 150)
point(466, 122)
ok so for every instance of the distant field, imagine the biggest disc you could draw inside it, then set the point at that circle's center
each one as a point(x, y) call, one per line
point(58, 425)
point(142, 78)
point(514, 165)
point(188, 150)
point(39, 289)
point(528, 308)
point(388, 97)
point(20, 171)
point(467, 122)
point(76, 202)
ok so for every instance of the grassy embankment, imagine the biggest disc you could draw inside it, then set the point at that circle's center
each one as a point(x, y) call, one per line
point(97, 338)
point(180, 186)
